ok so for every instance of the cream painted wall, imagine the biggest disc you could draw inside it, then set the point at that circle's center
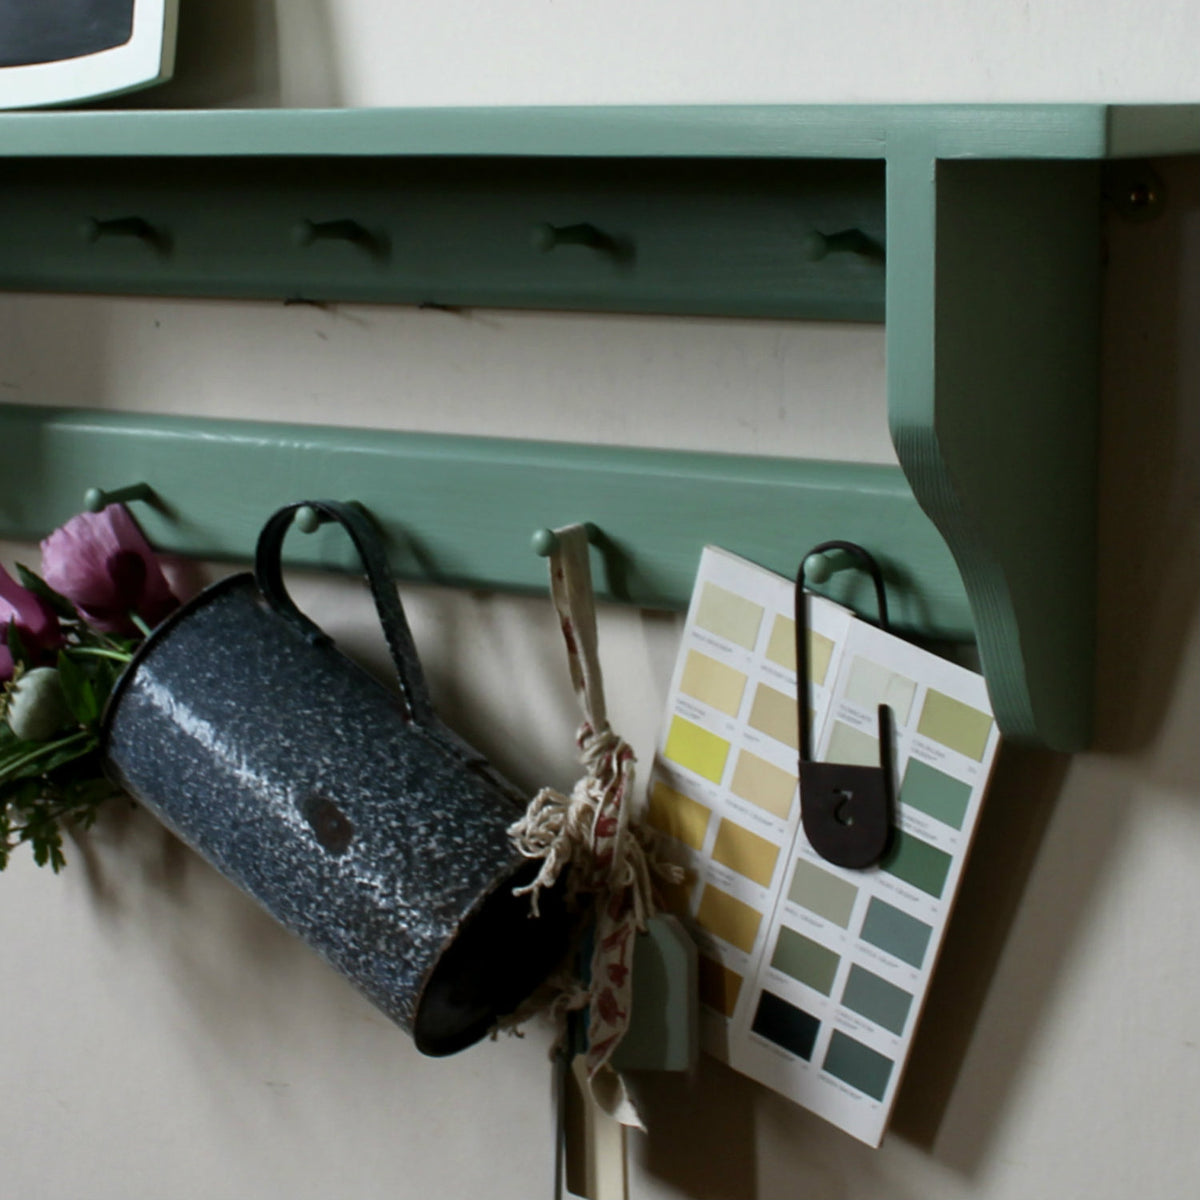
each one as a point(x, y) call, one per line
point(160, 1038)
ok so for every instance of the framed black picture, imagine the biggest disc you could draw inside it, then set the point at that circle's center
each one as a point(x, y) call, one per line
point(59, 51)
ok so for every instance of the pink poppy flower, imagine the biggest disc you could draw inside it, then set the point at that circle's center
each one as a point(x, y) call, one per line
point(37, 626)
point(102, 563)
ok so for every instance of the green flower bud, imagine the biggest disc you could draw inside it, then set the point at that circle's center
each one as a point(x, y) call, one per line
point(37, 708)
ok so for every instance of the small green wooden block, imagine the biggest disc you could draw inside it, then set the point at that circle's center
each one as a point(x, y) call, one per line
point(664, 1029)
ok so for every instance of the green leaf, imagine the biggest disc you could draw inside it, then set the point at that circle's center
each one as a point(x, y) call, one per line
point(39, 587)
point(12, 749)
point(78, 690)
point(16, 647)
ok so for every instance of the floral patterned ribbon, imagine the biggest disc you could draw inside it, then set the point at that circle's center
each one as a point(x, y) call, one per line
point(590, 833)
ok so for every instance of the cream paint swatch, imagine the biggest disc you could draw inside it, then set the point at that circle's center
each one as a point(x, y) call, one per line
point(853, 746)
point(774, 714)
point(763, 783)
point(712, 682)
point(781, 649)
point(729, 616)
point(871, 685)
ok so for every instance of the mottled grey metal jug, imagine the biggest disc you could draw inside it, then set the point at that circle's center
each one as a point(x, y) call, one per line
point(351, 813)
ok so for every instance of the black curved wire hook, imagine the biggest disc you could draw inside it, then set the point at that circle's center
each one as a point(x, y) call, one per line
point(846, 808)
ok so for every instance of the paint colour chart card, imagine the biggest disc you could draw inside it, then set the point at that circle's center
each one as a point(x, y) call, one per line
point(812, 976)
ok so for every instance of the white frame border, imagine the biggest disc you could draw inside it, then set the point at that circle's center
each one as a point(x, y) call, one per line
point(147, 58)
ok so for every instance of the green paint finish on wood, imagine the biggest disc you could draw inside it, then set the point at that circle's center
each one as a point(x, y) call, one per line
point(994, 418)
point(991, 292)
point(461, 510)
point(699, 237)
point(689, 131)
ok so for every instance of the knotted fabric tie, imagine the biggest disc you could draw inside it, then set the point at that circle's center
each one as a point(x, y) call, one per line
point(589, 834)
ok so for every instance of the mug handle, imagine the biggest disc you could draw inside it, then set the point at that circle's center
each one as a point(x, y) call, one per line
point(268, 574)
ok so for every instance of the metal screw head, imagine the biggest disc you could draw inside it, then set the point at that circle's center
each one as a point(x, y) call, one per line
point(1142, 195)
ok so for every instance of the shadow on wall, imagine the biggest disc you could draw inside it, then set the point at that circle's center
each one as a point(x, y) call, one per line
point(229, 55)
point(1149, 573)
point(1039, 859)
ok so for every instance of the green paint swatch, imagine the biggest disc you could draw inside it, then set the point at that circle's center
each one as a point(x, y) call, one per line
point(876, 999)
point(918, 863)
point(850, 745)
point(955, 724)
point(822, 893)
point(861, 1067)
point(805, 960)
point(934, 792)
point(896, 933)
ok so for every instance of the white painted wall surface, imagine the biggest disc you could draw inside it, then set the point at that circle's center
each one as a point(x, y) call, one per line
point(159, 1038)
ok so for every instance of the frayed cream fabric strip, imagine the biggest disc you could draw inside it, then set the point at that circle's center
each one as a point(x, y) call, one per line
point(590, 835)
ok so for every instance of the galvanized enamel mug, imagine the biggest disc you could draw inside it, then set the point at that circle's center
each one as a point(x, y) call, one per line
point(350, 812)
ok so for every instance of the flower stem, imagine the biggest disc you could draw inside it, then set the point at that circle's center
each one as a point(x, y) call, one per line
point(44, 749)
point(142, 626)
point(98, 652)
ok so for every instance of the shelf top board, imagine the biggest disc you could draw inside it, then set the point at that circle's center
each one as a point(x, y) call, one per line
point(729, 131)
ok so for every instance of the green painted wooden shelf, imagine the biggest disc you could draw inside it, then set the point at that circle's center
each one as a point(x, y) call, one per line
point(974, 229)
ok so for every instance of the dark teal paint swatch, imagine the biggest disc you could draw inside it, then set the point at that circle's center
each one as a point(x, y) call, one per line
point(895, 932)
point(935, 793)
point(876, 999)
point(862, 1068)
point(918, 863)
point(786, 1025)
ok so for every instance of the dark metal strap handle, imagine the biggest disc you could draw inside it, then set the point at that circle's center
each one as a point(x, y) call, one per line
point(868, 564)
point(268, 573)
point(846, 808)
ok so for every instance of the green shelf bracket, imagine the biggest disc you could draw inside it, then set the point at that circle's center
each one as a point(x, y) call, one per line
point(972, 231)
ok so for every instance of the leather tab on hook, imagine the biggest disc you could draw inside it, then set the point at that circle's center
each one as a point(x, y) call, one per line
point(846, 808)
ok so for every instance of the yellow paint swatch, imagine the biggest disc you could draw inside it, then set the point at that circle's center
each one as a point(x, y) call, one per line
point(764, 784)
point(680, 816)
point(729, 615)
point(712, 682)
point(781, 645)
point(774, 714)
point(695, 748)
point(719, 986)
point(746, 853)
point(727, 917)
point(820, 653)
point(781, 649)
point(676, 897)
point(955, 724)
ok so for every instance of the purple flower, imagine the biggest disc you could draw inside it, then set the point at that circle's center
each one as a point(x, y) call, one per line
point(105, 567)
point(37, 626)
